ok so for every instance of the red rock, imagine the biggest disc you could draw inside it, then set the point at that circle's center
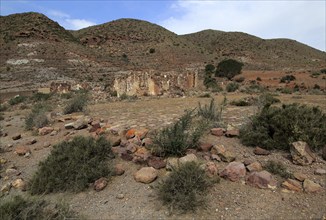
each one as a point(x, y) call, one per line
point(300, 176)
point(100, 184)
point(205, 147)
point(16, 137)
point(156, 162)
point(211, 169)
point(292, 185)
point(262, 179)
point(118, 150)
point(127, 157)
point(255, 166)
point(261, 151)
point(119, 169)
point(141, 155)
point(141, 133)
point(234, 171)
point(147, 142)
point(22, 150)
point(130, 133)
point(301, 153)
point(146, 175)
point(232, 133)
point(45, 130)
point(95, 126)
point(217, 132)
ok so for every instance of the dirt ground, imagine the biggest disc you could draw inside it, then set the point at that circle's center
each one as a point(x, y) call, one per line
point(226, 200)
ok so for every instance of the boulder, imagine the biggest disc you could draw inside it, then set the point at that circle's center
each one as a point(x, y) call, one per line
point(261, 151)
point(217, 132)
point(119, 169)
point(130, 133)
point(100, 184)
point(234, 171)
point(292, 185)
point(301, 153)
point(131, 148)
point(188, 158)
point(311, 187)
point(81, 123)
point(12, 172)
point(211, 169)
point(19, 184)
point(126, 156)
point(141, 155)
point(31, 141)
point(255, 166)
point(69, 125)
point(172, 163)
point(225, 155)
point(232, 133)
point(147, 142)
point(156, 162)
point(146, 175)
point(218, 149)
point(114, 140)
point(45, 130)
point(262, 179)
point(16, 137)
point(215, 157)
point(141, 133)
point(206, 147)
point(300, 176)
point(22, 150)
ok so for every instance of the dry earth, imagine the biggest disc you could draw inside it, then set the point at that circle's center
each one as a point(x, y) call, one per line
point(226, 200)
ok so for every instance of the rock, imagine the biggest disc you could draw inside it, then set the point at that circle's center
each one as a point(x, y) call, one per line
point(227, 156)
point(126, 156)
point(118, 150)
point(45, 130)
point(31, 142)
point(53, 133)
point(131, 148)
point(156, 162)
point(19, 184)
point(100, 184)
point(16, 137)
point(3, 161)
point(81, 123)
point(262, 179)
point(146, 175)
point(114, 140)
point(261, 151)
point(147, 142)
point(69, 125)
point(141, 155)
point(6, 188)
point(292, 185)
point(120, 196)
point(217, 132)
point(172, 163)
point(320, 172)
point(234, 171)
point(141, 133)
point(135, 140)
point(130, 133)
point(22, 150)
point(247, 162)
point(255, 166)
point(12, 172)
point(206, 147)
point(188, 158)
point(95, 125)
point(211, 169)
point(232, 133)
point(301, 153)
point(300, 176)
point(215, 157)
point(311, 187)
point(218, 149)
point(119, 169)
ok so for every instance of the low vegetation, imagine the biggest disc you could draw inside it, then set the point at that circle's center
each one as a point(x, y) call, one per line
point(287, 78)
point(19, 208)
point(185, 188)
point(278, 168)
point(41, 96)
point(37, 118)
point(17, 99)
point(73, 165)
point(228, 68)
point(77, 104)
point(278, 127)
point(232, 87)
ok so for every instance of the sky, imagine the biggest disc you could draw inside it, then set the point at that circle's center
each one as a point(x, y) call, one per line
point(303, 21)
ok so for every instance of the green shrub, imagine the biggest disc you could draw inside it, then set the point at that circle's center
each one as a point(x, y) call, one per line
point(277, 128)
point(258, 78)
point(124, 96)
point(287, 78)
point(37, 118)
point(177, 138)
point(185, 188)
point(246, 101)
point(68, 95)
point(72, 166)
point(3, 107)
point(232, 87)
point(17, 99)
point(210, 112)
point(278, 168)
point(41, 96)
point(19, 208)
point(228, 68)
point(239, 79)
point(254, 88)
point(286, 90)
point(267, 99)
point(152, 50)
point(77, 104)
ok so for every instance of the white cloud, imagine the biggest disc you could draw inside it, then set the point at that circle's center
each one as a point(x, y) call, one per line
point(68, 22)
point(303, 21)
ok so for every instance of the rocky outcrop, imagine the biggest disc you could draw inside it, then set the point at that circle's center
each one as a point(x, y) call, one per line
point(301, 153)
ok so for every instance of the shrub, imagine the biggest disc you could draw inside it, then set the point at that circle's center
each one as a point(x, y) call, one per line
point(72, 165)
point(210, 112)
point(278, 168)
point(277, 128)
point(68, 95)
point(254, 88)
point(37, 117)
point(41, 96)
point(232, 87)
point(176, 139)
point(316, 86)
point(209, 68)
point(246, 101)
point(267, 99)
point(20, 208)
point(185, 188)
point(287, 78)
point(3, 107)
point(286, 90)
point(152, 50)
point(77, 104)
point(239, 79)
point(124, 96)
point(205, 95)
point(258, 78)
point(228, 68)
point(17, 99)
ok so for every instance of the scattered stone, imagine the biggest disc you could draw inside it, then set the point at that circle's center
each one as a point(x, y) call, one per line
point(147, 142)
point(135, 140)
point(206, 147)
point(234, 171)
point(227, 156)
point(16, 137)
point(114, 140)
point(300, 176)
point(141, 155)
point(141, 133)
point(146, 175)
point(126, 156)
point(255, 166)
point(218, 149)
point(188, 158)
point(292, 185)
point(262, 179)
point(130, 133)
point(120, 196)
point(261, 151)
point(100, 184)
point(232, 133)
point(46, 144)
point(6, 188)
point(217, 132)
point(95, 125)
point(131, 148)
point(119, 150)
point(119, 169)
point(172, 163)
point(12, 172)
point(320, 172)
point(301, 153)
point(81, 123)
point(53, 133)
point(45, 130)
point(19, 184)
point(247, 162)
point(69, 125)
point(31, 142)
point(311, 187)
point(22, 150)
point(3, 161)
point(211, 169)
point(215, 157)
point(156, 162)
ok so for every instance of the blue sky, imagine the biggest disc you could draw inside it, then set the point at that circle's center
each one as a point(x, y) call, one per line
point(303, 21)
